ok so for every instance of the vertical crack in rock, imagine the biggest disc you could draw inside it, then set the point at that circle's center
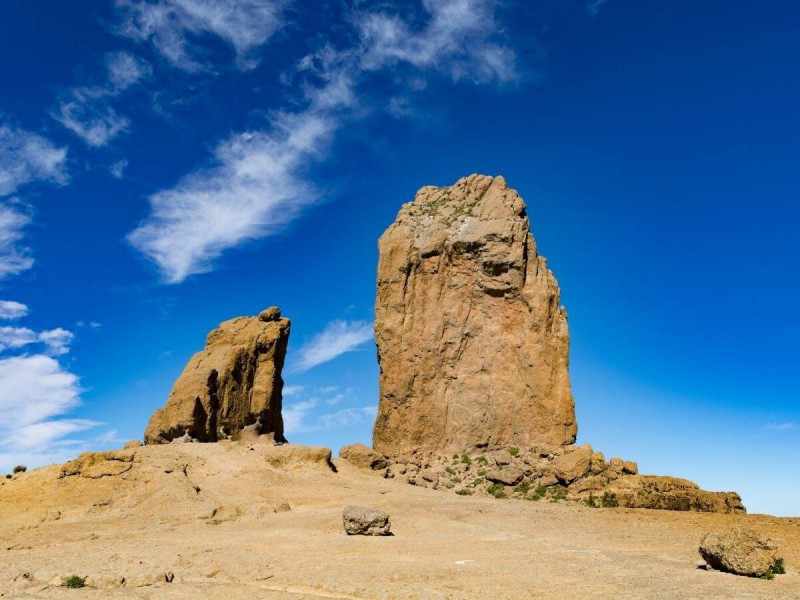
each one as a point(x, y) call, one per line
point(233, 384)
point(471, 339)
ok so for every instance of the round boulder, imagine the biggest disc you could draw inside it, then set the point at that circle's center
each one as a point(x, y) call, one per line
point(740, 550)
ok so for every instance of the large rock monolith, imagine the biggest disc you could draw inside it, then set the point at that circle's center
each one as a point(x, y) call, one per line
point(233, 385)
point(472, 340)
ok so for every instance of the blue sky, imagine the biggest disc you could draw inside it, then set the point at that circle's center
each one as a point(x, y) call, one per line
point(167, 165)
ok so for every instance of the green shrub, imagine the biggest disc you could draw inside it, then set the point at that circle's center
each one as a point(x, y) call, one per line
point(498, 490)
point(464, 492)
point(456, 480)
point(779, 568)
point(513, 451)
point(481, 460)
point(591, 501)
point(74, 581)
point(609, 500)
point(558, 493)
point(768, 575)
point(455, 456)
point(477, 481)
point(481, 472)
point(466, 460)
point(449, 470)
point(523, 488)
point(20, 469)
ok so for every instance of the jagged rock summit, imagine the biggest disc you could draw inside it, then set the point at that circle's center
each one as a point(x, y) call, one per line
point(473, 343)
point(232, 386)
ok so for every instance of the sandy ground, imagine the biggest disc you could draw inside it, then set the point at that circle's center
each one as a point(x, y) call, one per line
point(206, 514)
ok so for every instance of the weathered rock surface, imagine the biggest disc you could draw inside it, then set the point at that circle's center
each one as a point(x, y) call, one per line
point(233, 385)
point(363, 457)
point(672, 493)
point(472, 340)
point(359, 520)
point(739, 550)
point(572, 473)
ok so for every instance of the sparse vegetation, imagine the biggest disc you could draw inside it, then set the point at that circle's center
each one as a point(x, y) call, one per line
point(456, 480)
point(609, 500)
point(477, 481)
point(20, 469)
point(74, 581)
point(464, 492)
point(777, 568)
point(537, 494)
point(481, 472)
point(449, 470)
point(523, 488)
point(513, 451)
point(481, 460)
point(498, 490)
point(455, 456)
point(769, 575)
point(558, 493)
point(466, 460)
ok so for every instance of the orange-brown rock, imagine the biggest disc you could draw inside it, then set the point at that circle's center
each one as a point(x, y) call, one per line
point(233, 385)
point(472, 340)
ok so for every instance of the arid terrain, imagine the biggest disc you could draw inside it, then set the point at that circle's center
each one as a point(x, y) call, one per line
point(214, 519)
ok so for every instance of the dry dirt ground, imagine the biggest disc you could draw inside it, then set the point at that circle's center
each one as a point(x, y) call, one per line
point(206, 513)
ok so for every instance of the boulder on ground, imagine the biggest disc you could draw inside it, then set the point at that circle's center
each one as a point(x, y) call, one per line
point(133, 444)
point(359, 520)
point(233, 385)
point(363, 457)
point(740, 550)
point(573, 464)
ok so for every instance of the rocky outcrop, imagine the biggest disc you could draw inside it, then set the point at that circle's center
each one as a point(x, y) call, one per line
point(363, 457)
point(739, 550)
point(472, 340)
point(568, 473)
point(234, 385)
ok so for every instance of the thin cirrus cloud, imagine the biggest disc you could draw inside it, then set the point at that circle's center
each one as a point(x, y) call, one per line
point(174, 27)
point(25, 158)
point(87, 111)
point(304, 416)
point(257, 185)
point(337, 338)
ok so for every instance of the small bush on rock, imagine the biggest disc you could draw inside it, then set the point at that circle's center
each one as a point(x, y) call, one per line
point(609, 500)
point(466, 460)
point(20, 469)
point(513, 451)
point(74, 581)
point(498, 490)
point(779, 568)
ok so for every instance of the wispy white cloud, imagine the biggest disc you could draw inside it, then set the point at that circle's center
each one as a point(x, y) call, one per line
point(785, 426)
point(457, 39)
point(87, 111)
point(56, 341)
point(594, 6)
point(174, 27)
point(292, 390)
point(14, 256)
point(11, 310)
point(117, 169)
point(337, 338)
point(26, 157)
point(255, 187)
point(256, 184)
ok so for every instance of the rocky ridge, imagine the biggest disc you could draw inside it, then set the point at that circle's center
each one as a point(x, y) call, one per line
point(572, 473)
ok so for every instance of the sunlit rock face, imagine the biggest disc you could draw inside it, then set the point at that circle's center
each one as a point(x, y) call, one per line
point(473, 343)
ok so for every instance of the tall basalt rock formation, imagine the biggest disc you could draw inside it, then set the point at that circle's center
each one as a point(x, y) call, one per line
point(234, 384)
point(473, 344)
